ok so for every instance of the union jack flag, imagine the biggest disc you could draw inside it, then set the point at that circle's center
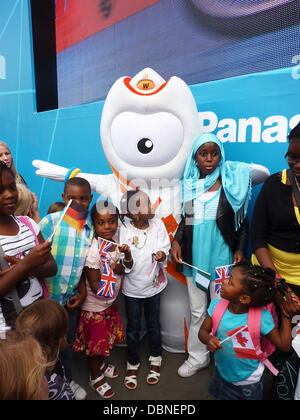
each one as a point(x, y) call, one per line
point(107, 282)
point(222, 273)
point(104, 247)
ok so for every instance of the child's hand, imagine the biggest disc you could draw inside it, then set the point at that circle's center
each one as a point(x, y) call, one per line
point(160, 256)
point(39, 255)
point(118, 268)
point(214, 344)
point(126, 250)
point(75, 301)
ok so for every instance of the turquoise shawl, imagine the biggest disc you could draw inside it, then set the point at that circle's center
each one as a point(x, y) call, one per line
point(236, 178)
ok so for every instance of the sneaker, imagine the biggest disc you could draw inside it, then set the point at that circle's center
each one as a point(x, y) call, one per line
point(187, 369)
point(78, 391)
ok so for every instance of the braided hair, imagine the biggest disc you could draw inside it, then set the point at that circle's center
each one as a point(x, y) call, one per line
point(261, 284)
point(100, 205)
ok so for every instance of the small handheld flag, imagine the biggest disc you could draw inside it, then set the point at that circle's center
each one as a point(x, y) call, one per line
point(223, 272)
point(75, 216)
point(202, 281)
point(104, 246)
point(242, 343)
point(108, 281)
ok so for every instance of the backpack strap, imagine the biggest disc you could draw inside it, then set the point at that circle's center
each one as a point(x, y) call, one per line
point(218, 314)
point(254, 324)
point(26, 221)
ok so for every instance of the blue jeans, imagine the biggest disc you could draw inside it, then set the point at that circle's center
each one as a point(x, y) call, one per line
point(66, 355)
point(134, 314)
point(222, 390)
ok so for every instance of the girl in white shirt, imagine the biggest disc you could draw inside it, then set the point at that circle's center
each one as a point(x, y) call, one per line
point(144, 281)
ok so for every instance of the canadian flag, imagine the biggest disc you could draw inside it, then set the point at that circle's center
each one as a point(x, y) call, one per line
point(242, 343)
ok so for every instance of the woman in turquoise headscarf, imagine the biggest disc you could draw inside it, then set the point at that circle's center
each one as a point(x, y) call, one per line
point(214, 230)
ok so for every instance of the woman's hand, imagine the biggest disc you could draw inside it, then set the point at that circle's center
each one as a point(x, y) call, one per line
point(238, 257)
point(176, 253)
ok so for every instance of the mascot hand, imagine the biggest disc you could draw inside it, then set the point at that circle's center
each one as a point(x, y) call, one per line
point(49, 170)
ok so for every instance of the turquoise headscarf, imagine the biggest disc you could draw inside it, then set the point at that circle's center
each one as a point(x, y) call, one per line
point(236, 179)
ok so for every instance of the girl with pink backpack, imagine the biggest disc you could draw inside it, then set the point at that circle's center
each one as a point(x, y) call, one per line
point(241, 330)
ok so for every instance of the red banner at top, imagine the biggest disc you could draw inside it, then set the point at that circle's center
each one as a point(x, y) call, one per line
point(79, 19)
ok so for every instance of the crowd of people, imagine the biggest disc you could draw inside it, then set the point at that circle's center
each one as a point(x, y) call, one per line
point(58, 295)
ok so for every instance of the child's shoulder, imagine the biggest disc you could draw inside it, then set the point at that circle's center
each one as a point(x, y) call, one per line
point(212, 306)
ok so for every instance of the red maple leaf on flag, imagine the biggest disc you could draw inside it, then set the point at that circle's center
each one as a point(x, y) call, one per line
point(242, 340)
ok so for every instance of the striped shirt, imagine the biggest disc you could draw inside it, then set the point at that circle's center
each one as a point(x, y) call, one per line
point(18, 246)
point(69, 251)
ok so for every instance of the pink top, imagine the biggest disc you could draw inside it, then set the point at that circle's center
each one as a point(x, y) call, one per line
point(94, 303)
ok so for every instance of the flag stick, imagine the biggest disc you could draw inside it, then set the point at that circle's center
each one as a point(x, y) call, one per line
point(112, 242)
point(196, 268)
point(59, 222)
point(228, 265)
point(227, 338)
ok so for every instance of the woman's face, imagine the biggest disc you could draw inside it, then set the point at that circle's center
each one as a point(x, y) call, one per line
point(5, 156)
point(293, 158)
point(207, 157)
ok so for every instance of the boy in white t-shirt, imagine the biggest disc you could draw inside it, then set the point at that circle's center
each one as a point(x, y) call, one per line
point(142, 284)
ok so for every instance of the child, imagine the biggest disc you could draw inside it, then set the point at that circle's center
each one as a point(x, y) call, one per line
point(22, 368)
point(247, 287)
point(48, 322)
point(142, 285)
point(70, 251)
point(56, 206)
point(99, 324)
point(20, 285)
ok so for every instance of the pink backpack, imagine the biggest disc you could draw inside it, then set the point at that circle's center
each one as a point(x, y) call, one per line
point(26, 221)
point(264, 348)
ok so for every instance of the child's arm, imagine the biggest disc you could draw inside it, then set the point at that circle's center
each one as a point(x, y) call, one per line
point(93, 276)
point(282, 337)
point(38, 256)
point(76, 300)
point(127, 260)
point(212, 342)
point(49, 268)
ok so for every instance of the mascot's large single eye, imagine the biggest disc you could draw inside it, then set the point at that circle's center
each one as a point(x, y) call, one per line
point(146, 139)
point(145, 146)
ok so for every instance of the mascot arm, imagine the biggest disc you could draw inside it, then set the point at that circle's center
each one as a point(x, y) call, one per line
point(259, 174)
point(104, 185)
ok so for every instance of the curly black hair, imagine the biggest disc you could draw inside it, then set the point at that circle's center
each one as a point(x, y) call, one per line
point(261, 284)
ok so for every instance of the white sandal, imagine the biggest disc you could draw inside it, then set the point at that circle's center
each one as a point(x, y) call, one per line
point(109, 371)
point(101, 389)
point(154, 361)
point(132, 378)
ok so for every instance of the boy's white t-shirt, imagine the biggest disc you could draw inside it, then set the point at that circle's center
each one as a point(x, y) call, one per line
point(141, 281)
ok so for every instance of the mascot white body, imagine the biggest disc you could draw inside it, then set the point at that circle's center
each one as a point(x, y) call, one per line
point(148, 127)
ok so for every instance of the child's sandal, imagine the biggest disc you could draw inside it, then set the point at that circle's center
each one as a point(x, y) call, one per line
point(154, 376)
point(110, 371)
point(131, 379)
point(103, 389)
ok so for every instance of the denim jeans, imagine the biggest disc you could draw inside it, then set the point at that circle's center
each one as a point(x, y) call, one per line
point(222, 390)
point(66, 355)
point(134, 308)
